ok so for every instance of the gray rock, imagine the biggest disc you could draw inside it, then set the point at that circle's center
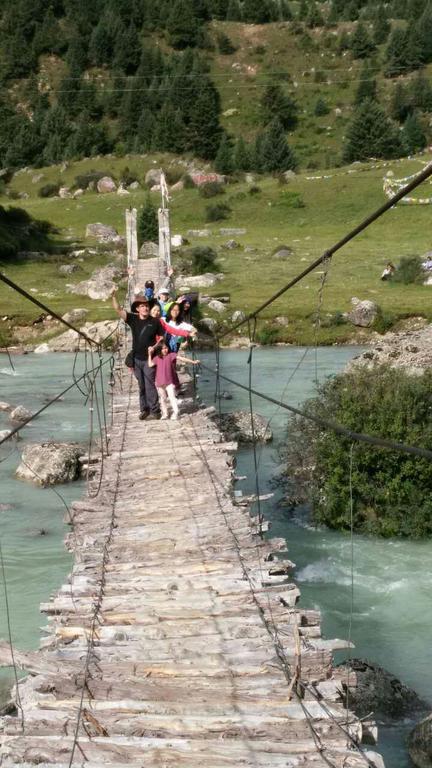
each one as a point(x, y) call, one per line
point(378, 691)
point(363, 313)
point(177, 241)
point(78, 193)
point(37, 178)
point(20, 414)
point(103, 233)
point(23, 195)
point(153, 176)
point(68, 269)
point(65, 193)
point(134, 186)
point(196, 281)
point(232, 232)
point(250, 249)
point(4, 433)
point(237, 426)
point(100, 285)
point(199, 232)
point(122, 191)
point(249, 178)
point(217, 306)
point(75, 315)
point(178, 186)
point(208, 323)
point(148, 250)
point(238, 316)
point(70, 341)
point(283, 253)
point(231, 245)
point(410, 350)
point(106, 184)
point(5, 406)
point(420, 743)
point(49, 463)
point(289, 175)
point(282, 320)
point(226, 396)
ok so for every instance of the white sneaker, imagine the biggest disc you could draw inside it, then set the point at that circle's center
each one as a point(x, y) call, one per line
point(163, 418)
point(174, 417)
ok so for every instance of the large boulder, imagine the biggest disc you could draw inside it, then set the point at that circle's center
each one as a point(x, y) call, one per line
point(68, 269)
point(237, 426)
point(208, 324)
point(71, 341)
point(106, 184)
point(380, 692)
point(199, 281)
point(420, 743)
point(49, 463)
point(238, 316)
point(100, 284)
point(363, 313)
point(217, 306)
point(153, 176)
point(103, 233)
point(284, 252)
point(20, 413)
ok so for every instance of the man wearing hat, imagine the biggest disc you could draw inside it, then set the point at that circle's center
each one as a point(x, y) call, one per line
point(145, 330)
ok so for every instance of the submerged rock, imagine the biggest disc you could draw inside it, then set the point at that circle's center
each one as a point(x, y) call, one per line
point(380, 692)
point(420, 743)
point(237, 426)
point(49, 463)
point(20, 414)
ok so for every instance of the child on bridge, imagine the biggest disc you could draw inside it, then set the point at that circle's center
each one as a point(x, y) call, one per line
point(166, 376)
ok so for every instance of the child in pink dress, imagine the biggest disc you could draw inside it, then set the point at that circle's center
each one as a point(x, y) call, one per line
point(166, 377)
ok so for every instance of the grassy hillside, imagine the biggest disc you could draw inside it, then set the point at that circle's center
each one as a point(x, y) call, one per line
point(330, 206)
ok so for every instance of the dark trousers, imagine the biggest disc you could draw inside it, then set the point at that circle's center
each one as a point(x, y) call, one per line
point(145, 377)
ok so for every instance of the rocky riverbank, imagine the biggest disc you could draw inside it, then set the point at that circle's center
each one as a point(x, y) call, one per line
point(411, 350)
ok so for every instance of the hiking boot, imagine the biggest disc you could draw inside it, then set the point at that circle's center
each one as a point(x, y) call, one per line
point(143, 415)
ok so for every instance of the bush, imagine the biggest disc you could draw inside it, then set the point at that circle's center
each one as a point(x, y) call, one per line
point(254, 190)
point(211, 189)
point(49, 190)
point(268, 335)
point(409, 271)
point(188, 181)
point(128, 177)
point(217, 212)
point(391, 490)
point(83, 180)
point(289, 199)
point(203, 259)
point(225, 45)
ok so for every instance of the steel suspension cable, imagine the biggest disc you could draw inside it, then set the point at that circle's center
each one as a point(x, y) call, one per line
point(251, 333)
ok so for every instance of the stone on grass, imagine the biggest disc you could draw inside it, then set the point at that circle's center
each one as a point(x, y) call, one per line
point(231, 245)
point(250, 249)
point(134, 186)
point(195, 281)
point(217, 306)
point(289, 175)
point(199, 232)
point(78, 193)
point(75, 315)
point(177, 241)
point(153, 176)
point(122, 191)
point(71, 341)
point(106, 184)
point(100, 284)
point(68, 269)
point(208, 323)
point(237, 426)
point(103, 233)
point(178, 186)
point(49, 463)
point(282, 320)
point(37, 178)
point(238, 316)
point(232, 232)
point(363, 313)
point(20, 413)
point(65, 193)
point(283, 253)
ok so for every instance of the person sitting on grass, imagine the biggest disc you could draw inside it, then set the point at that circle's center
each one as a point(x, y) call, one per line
point(166, 376)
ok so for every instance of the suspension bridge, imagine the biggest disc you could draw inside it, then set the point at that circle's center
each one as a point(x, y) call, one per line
point(179, 638)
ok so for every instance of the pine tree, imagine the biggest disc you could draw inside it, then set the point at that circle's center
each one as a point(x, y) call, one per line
point(234, 12)
point(420, 93)
point(399, 9)
point(182, 25)
point(367, 86)
point(48, 36)
point(400, 106)
point(169, 135)
point(361, 43)
point(204, 131)
point(371, 134)
point(285, 12)
point(76, 56)
point(425, 30)
point(224, 162)
point(148, 228)
point(242, 157)
point(87, 140)
point(276, 154)
point(351, 12)
point(415, 9)
point(302, 11)
point(321, 108)
point(314, 17)
point(127, 50)
point(257, 153)
point(276, 103)
point(413, 135)
point(144, 140)
point(256, 11)
point(396, 53)
point(220, 9)
point(381, 26)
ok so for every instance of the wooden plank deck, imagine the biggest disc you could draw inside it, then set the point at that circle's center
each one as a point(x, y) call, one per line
point(178, 640)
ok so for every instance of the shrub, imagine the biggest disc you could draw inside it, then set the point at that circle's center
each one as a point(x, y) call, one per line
point(289, 199)
point(49, 190)
point(83, 180)
point(127, 177)
point(188, 181)
point(203, 259)
point(268, 335)
point(321, 108)
point(254, 190)
point(211, 189)
point(225, 45)
point(217, 212)
point(391, 490)
point(409, 271)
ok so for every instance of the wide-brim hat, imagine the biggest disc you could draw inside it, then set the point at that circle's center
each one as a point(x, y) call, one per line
point(140, 299)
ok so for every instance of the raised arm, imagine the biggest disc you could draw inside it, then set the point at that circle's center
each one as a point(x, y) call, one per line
point(120, 311)
point(150, 360)
point(187, 360)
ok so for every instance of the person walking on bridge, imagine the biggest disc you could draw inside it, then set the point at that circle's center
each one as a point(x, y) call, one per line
point(145, 331)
